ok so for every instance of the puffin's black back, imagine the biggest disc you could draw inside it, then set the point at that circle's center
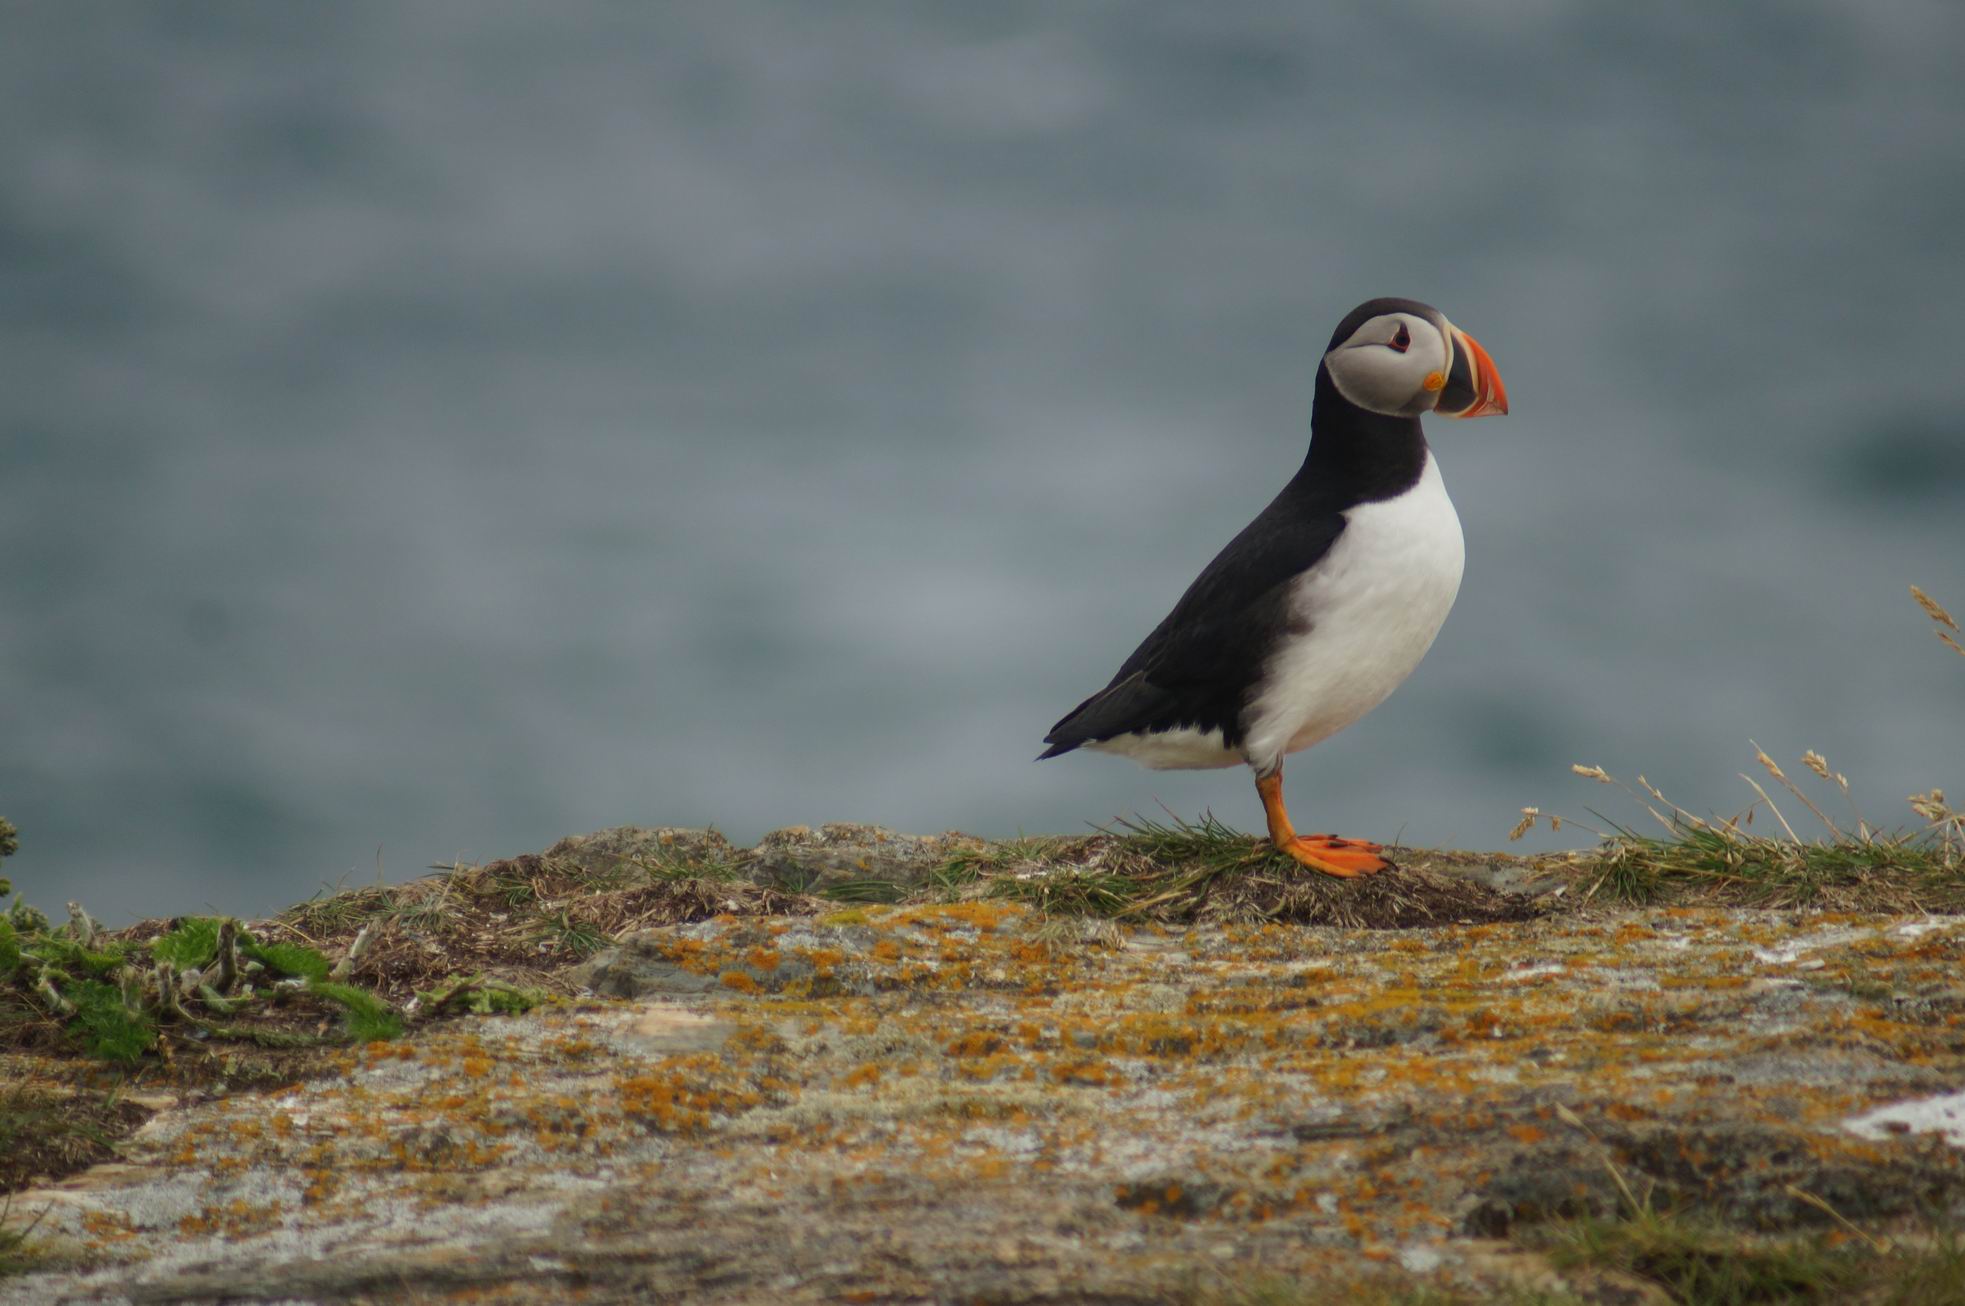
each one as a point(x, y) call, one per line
point(1202, 664)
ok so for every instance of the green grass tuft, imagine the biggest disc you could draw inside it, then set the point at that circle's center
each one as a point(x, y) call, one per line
point(1702, 1263)
point(879, 891)
point(1158, 869)
point(1852, 866)
point(572, 936)
point(1724, 864)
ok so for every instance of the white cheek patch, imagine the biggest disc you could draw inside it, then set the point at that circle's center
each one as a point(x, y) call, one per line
point(1380, 379)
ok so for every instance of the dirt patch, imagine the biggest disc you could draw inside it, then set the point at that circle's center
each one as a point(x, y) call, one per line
point(48, 1131)
point(1405, 897)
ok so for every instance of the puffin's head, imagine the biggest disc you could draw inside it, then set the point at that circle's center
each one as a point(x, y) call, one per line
point(1402, 358)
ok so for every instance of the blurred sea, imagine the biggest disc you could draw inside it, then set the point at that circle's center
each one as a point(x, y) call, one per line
point(430, 429)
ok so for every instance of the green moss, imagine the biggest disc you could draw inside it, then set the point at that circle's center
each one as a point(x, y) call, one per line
point(289, 959)
point(9, 949)
point(58, 951)
point(480, 996)
point(194, 943)
point(108, 1026)
point(366, 1017)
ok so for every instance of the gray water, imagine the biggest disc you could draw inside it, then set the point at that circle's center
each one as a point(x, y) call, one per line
point(432, 429)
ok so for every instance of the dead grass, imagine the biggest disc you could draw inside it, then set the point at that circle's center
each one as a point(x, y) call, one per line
point(1702, 1263)
point(1281, 1290)
point(1850, 865)
point(525, 921)
point(1181, 872)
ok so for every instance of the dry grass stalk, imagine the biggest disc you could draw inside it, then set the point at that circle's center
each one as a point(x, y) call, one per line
point(1938, 615)
point(1760, 755)
point(1932, 609)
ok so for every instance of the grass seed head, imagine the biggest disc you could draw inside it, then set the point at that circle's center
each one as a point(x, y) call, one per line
point(1524, 825)
point(1815, 762)
point(1932, 806)
point(1595, 773)
point(1932, 610)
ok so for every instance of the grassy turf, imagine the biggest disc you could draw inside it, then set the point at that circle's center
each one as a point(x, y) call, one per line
point(1703, 1263)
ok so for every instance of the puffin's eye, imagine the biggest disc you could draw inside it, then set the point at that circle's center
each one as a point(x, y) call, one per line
point(1402, 341)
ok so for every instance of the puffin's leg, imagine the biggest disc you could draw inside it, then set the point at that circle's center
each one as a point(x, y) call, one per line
point(1343, 858)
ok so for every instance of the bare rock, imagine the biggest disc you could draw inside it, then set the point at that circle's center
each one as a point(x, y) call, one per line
point(799, 859)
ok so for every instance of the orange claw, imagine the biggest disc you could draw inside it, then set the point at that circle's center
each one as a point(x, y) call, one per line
point(1338, 843)
point(1326, 854)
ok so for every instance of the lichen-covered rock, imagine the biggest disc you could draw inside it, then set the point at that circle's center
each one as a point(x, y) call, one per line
point(799, 859)
point(639, 967)
point(975, 1100)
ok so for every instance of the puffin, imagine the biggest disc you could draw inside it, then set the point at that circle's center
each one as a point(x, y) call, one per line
point(1325, 603)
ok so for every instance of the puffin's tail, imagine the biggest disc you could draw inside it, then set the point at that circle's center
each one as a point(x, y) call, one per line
point(1125, 705)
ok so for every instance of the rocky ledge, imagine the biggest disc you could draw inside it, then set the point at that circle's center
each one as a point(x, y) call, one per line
point(776, 1095)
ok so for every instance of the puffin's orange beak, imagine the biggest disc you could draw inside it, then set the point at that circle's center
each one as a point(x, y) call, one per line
point(1473, 380)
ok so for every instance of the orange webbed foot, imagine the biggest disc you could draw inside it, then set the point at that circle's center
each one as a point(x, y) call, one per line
point(1340, 858)
point(1345, 859)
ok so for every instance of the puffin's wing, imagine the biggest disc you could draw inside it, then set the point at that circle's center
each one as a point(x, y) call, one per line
point(1200, 665)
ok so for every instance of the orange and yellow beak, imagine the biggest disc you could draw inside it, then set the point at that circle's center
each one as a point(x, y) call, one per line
point(1473, 387)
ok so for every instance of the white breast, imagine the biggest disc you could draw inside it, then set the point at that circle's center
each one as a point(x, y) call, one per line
point(1371, 608)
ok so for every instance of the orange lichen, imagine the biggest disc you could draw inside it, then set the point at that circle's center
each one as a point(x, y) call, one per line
point(976, 1043)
